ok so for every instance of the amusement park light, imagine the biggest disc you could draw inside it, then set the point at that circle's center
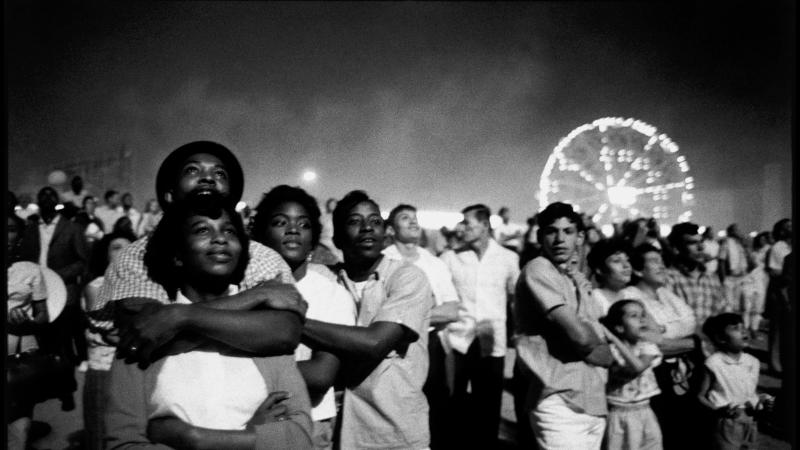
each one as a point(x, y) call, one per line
point(617, 168)
point(309, 176)
point(622, 196)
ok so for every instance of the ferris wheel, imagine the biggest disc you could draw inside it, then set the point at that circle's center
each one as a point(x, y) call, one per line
point(615, 169)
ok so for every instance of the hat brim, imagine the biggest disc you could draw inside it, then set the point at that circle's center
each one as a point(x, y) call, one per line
point(56, 293)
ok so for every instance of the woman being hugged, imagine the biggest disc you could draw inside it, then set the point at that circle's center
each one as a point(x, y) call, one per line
point(212, 396)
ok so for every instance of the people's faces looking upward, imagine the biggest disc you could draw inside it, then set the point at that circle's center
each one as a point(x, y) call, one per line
point(364, 232)
point(201, 174)
point(632, 323)
point(405, 227)
point(560, 239)
point(211, 247)
point(653, 269)
point(289, 232)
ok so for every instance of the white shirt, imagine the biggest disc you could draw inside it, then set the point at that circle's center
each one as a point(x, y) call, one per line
point(711, 248)
point(46, 232)
point(108, 216)
point(232, 389)
point(505, 230)
point(435, 269)
point(328, 302)
point(484, 286)
point(777, 253)
point(735, 380)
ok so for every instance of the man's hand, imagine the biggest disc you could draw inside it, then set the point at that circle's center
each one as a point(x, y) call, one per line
point(281, 296)
point(148, 330)
point(18, 315)
point(272, 410)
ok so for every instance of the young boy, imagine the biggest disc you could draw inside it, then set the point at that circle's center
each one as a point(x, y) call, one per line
point(729, 384)
point(631, 381)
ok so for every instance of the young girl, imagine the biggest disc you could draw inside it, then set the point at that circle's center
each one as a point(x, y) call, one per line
point(288, 221)
point(631, 381)
point(214, 396)
point(729, 384)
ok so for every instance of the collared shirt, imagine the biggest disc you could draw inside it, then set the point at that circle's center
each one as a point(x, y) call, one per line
point(484, 286)
point(46, 232)
point(701, 291)
point(667, 310)
point(109, 216)
point(735, 380)
point(542, 347)
point(126, 277)
point(388, 408)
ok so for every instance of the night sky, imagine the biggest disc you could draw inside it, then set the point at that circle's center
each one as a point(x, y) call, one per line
point(439, 105)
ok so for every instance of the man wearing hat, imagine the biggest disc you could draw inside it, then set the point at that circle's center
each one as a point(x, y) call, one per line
point(201, 171)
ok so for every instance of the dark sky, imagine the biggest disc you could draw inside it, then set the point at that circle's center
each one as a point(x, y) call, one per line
point(440, 105)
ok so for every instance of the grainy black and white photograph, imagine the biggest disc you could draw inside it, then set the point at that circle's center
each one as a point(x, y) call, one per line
point(400, 225)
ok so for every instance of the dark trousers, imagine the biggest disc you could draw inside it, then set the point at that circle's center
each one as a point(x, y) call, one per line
point(478, 412)
point(438, 395)
point(95, 397)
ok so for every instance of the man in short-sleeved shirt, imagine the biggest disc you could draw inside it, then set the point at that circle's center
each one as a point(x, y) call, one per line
point(561, 347)
point(389, 404)
point(385, 356)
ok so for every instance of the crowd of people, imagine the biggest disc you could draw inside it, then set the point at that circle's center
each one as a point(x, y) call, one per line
point(295, 326)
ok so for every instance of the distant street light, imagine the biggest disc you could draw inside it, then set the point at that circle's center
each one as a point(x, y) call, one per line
point(309, 176)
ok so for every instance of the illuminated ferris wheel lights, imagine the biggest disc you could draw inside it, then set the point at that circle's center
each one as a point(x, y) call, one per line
point(622, 196)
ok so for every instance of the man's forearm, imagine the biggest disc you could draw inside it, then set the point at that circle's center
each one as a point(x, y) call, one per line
point(351, 342)
point(600, 356)
point(263, 333)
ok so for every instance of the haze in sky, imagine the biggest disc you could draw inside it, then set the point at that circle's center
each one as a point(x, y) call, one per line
point(440, 105)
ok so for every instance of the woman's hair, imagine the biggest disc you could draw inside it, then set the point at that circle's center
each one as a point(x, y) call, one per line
point(278, 196)
point(616, 312)
point(342, 210)
point(168, 239)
